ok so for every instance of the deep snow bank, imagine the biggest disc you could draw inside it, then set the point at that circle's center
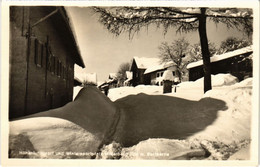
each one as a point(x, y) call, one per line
point(220, 129)
point(216, 80)
point(233, 124)
point(188, 90)
point(79, 126)
point(50, 138)
point(219, 123)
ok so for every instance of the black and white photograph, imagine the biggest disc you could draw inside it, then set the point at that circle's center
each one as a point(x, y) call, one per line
point(131, 82)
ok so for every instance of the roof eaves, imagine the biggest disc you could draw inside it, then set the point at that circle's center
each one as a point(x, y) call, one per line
point(226, 55)
point(79, 61)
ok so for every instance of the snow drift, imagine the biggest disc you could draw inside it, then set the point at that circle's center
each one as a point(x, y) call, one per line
point(192, 90)
point(143, 126)
point(219, 123)
point(79, 126)
point(217, 81)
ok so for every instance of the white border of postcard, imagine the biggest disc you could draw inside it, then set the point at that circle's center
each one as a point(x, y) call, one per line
point(180, 3)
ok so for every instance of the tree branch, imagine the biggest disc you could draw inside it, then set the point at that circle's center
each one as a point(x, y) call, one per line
point(229, 17)
point(181, 12)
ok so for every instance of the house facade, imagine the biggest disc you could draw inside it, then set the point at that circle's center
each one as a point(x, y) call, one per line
point(156, 72)
point(149, 71)
point(138, 67)
point(237, 63)
point(43, 52)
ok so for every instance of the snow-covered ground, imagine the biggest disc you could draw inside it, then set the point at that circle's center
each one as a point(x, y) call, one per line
point(75, 130)
point(187, 90)
point(186, 124)
point(227, 132)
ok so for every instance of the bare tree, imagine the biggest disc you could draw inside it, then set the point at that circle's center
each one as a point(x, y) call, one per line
point(132, 19)
point(175, 53)
point(121, 73)
point(195, 51)
point(232, 43)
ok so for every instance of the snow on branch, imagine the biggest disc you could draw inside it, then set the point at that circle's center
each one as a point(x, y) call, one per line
point(230, 13)
point(241, 19)
point(132, 19)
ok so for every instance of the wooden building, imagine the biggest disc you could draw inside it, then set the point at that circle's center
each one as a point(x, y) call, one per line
point(138, 67)
point(149, 71)
point(237, 63)
point(155, 73)
point(43, 52)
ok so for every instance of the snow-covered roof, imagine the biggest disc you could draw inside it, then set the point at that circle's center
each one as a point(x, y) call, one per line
point(159, 67)
point(145, 62)
point(227, 55)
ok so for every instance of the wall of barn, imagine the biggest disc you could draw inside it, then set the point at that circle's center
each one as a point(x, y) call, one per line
point(50, 66)
point(18, 49)
point(238, 66)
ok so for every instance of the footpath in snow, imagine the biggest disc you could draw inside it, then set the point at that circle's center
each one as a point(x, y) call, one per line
point(143, 123)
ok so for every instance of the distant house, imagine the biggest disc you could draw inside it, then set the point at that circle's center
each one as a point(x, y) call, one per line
point(155, 73)
point(112, 80)
point(43, 52)
point(237, 63)
point(149, 70)
point(138, 67)
point(87, 78)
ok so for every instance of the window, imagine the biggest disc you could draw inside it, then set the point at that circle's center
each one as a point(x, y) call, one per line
point(64, 72)
point(56, 66)
point(157, 75)
point(59, 68)
point(173, 73)
point(49, 59)
point(61, 72)
point(53, 61)
point(38, 53)
point(161, 74)
point(41, 55)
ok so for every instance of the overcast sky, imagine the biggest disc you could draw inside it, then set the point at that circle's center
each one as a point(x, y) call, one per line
point(103, 52)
